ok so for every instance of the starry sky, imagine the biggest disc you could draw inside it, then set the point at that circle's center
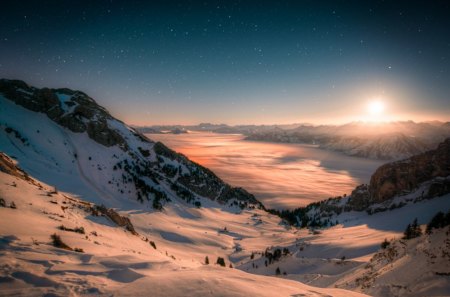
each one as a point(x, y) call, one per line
point(236, 62)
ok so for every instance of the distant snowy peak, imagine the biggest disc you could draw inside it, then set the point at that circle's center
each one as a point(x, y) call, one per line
point(82, 141)
point(384, 141)
point(384, 147)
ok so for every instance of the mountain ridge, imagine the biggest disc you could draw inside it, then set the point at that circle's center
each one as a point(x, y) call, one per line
point(127, 161)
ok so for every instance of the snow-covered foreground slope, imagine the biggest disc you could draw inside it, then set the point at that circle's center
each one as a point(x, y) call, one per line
point(426, 260)
point(116, 261)
point(348, 255)
point(113, 261)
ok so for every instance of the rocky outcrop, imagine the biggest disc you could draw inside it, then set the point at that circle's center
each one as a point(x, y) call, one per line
point(359, 200)
point(8, 166)
point(71, 109)
point(404, 176)
point(119, 220)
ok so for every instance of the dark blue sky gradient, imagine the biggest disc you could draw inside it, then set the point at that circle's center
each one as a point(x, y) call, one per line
point(236, 61)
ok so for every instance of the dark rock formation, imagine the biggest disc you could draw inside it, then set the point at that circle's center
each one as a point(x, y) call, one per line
point(119, 220)
point(359, 199)
point(404, 176)
point(7, 166)
point(78, 112)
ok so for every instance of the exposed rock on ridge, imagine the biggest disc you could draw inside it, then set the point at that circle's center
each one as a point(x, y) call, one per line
point(406, 175)
point(140, 170)
point(72, 109)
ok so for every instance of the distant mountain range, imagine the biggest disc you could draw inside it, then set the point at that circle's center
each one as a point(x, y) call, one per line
point(385, 141)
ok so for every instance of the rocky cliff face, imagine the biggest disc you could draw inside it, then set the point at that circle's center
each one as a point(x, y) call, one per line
point(392, 186)
point(71, 109)
point(8, 166)
point(403, 176)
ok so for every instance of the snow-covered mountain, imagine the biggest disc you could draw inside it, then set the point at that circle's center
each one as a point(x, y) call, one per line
point(65, 138)
point(386, 141)
point(99, 209)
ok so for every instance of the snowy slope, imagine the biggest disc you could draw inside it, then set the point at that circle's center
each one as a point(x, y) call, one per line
point(81, 152)
point(416, 267)
point(345, 255)
point(64, 138)
point(114, 261)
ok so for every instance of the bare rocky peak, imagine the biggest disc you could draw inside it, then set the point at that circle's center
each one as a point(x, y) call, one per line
point(72, 109)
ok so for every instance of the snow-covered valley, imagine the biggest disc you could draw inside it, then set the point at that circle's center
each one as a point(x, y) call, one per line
point(185, 216)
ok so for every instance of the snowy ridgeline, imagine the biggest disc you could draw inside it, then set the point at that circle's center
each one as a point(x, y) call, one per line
point(64, 138)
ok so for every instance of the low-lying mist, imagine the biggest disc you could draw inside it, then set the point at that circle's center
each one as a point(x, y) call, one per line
point(279, 175)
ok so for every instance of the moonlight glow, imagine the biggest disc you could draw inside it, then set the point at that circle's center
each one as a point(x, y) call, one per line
point(376, 108)
point(187, 62)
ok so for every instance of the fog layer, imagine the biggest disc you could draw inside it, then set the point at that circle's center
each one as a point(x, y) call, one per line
point(279, 175)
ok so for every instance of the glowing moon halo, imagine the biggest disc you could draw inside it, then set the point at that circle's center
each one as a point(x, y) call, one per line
point(376, 107)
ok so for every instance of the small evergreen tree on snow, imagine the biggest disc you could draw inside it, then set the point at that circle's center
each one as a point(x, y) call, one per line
point(440, 220)
point(220, 261)
point(278, 272)
point(206, 260)
point(417, 231)
point(435, 222)
point(385, 244)
point(407, 233)
point(412, 230)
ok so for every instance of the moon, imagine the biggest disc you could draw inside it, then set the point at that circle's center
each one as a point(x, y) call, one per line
point(375, 107)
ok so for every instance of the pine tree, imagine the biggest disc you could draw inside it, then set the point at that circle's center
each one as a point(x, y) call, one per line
point(278, 272)
point(417, 231)
point(436, 222)
point(412, 230)
point(385, 244)
point(220, 261)
point(407, 233)
point(206, 260)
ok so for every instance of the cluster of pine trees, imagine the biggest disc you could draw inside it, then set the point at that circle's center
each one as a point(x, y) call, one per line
point(440, 220)
point(412, 230)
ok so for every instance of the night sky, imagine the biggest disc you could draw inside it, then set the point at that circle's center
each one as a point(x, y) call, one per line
point(236, 62)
